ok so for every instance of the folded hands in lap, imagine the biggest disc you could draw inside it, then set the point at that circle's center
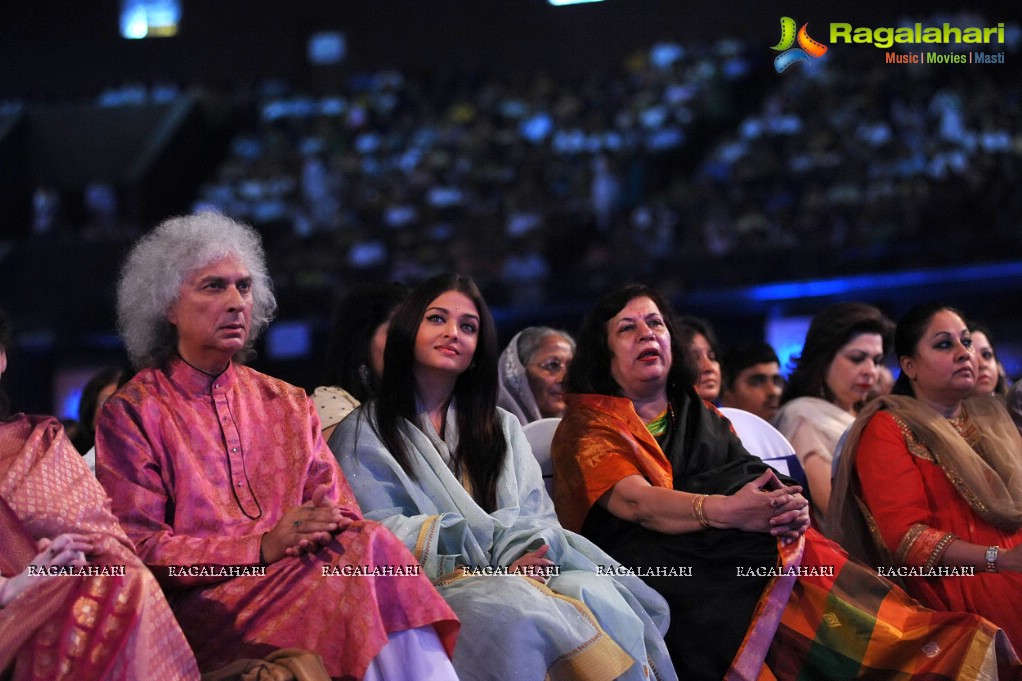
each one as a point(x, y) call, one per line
point(767, 505)
point(64, 549)
point(304, 529)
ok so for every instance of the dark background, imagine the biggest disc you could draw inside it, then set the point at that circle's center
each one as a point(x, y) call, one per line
point(57, 54)
point(58, 49)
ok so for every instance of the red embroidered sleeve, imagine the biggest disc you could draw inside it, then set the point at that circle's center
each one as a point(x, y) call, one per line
point(923, 546)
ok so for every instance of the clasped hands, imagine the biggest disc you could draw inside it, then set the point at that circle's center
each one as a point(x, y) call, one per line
point(64, 549)
point(767, 505)
point(303, 529)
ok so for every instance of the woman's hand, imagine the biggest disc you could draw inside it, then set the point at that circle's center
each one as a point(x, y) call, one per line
point(1009, 560)
point(303, 529)
point(781, 511)
point(64, 549)
point(791, 511)
point(791, 519)
point(530, 562)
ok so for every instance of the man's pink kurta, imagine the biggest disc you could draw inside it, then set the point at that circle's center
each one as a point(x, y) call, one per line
point(199, 467)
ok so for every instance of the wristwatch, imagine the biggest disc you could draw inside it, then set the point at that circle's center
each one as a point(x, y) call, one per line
point(992, 558)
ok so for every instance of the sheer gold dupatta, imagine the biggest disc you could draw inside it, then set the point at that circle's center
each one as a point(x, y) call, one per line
point(989, 477)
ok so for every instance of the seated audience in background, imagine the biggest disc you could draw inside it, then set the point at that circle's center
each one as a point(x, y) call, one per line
point(94, 395)
point(1014, 402)
point(884, 384)
point(72, 429)
point(53, 516)
point(210, 463)
point(658, 479)
point(434, 459)
point(702, 344)
point(531, 371)
point(355, 352)
point(989, 377)
point(931, 478)
point(843, 352)
point(751, 377)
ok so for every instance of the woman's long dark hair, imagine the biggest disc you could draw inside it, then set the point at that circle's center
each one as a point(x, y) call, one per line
point(481, 445)
point(355, 320)
point(831, 329)
point(911, 327)
point(589, 371)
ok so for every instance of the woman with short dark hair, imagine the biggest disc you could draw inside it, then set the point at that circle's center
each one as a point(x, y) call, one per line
point(838, 368)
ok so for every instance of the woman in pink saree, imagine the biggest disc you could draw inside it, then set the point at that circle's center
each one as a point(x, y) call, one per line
point(75, 601)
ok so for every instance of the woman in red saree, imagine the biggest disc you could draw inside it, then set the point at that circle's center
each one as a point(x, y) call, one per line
point(933, 479)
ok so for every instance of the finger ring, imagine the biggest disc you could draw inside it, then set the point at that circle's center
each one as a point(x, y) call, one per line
point(296, 524)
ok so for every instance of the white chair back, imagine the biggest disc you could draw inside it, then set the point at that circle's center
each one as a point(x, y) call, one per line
point(763, 440)
point(540, 434)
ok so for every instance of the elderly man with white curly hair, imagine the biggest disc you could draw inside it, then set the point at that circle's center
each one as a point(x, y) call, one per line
point(220, 476)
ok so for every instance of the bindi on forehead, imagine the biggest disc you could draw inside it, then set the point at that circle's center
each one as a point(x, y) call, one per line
point(455, 311)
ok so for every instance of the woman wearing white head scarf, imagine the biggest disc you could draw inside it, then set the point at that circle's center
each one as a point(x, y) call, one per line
point(532, 369)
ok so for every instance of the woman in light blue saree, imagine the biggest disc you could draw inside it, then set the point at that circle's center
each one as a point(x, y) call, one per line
point(433, 459)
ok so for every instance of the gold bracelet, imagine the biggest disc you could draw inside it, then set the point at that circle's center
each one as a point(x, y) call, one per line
point(697, 510)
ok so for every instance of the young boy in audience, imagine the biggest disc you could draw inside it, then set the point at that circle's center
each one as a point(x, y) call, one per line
point(752, 379)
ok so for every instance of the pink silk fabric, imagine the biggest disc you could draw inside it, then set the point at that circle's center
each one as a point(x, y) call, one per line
point(75, 627)
point(199, 467)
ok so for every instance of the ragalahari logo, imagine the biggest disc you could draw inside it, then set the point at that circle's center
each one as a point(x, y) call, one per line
point(807, 50)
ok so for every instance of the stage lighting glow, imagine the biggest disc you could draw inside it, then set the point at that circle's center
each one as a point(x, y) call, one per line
point(786, 335)
point(149, 18)
point(562, 3)
point(870, 283)
point(327, 47)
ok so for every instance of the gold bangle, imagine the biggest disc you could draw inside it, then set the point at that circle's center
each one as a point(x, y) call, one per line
point(697, 510)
